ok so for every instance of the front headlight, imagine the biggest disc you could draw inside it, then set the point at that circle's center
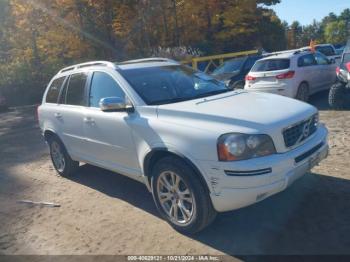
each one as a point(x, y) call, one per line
point(234, 147)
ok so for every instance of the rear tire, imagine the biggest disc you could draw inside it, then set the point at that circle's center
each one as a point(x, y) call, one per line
point(338, 96)
point(180, 197)
point(62, 162)
point(303, 92)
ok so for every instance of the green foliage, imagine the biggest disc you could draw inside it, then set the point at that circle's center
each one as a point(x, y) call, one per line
point(37, 37)
point(336, 32)
point(332, 29)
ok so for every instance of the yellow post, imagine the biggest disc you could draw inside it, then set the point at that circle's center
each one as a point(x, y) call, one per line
point(221, 58)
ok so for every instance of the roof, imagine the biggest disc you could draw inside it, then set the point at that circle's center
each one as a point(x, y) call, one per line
point(146, 62)
point(286, 54)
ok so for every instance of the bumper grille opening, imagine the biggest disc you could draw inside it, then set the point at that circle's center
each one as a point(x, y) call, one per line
point(249, 173)
point(308, 153)
point(296, 134)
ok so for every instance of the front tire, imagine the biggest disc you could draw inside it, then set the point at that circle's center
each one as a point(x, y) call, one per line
point(61, 160)
point(180, 197)
point(338, 96)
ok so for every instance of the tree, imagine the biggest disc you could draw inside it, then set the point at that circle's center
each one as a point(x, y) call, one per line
point(37, 37)
point(336, 32)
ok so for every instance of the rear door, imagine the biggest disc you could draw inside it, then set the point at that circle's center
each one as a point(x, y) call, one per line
point(308, 71)
point(70, 114)
point(109, 137)
point(49, 112)
point(326, 71)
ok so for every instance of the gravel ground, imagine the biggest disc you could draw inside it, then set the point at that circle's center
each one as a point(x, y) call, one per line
point(105, 213)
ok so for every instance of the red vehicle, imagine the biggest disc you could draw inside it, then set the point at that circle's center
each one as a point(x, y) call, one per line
point(339, 95)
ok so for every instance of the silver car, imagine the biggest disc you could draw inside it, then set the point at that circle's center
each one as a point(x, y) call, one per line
point(296, 73)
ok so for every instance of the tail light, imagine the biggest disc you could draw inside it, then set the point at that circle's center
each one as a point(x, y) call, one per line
point(348, 67)
point(250, 78)
point(287, 75)
point(337, 70)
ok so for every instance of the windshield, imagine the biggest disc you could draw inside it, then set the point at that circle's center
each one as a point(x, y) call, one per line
point(229, 66)
point(326, 50)
point(271, 65)
point(170, 84)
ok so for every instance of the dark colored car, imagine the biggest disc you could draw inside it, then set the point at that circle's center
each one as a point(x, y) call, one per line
point(232, 72)
point(3, 103)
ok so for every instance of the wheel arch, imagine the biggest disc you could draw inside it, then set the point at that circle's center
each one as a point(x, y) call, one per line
point(48, 133)
point(304, 82)
point(157, 154)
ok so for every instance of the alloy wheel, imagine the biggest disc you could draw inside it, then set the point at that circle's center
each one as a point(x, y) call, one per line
point(175, 197)
point(58, 156)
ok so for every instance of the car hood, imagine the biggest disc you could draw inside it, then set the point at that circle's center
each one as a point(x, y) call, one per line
point(238, 111)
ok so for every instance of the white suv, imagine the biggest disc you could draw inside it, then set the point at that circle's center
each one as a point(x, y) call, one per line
point(296, 73)
point(199, 147)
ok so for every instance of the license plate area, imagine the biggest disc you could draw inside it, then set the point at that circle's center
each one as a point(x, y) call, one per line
point(314, 160)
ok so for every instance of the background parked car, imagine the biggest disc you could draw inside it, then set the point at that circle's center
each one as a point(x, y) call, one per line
point(295, 73)
point(3, 103)
point(339, 95)
point(233, 71)
point(328, 50)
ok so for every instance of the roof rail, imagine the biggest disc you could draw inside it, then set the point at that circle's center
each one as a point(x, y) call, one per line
point(292, 51)
point(88, 64)
point(148, 60)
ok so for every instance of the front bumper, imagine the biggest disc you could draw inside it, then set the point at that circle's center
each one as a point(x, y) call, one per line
point(233, 186)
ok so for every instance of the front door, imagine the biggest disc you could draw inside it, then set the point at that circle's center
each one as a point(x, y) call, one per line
point(109, 137)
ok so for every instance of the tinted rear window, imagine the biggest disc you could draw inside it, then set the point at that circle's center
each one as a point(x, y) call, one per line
point(271, 65)
point(54, 90)
point(76, 90)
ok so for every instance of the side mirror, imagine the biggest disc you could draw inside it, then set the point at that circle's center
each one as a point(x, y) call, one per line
point(115, 104)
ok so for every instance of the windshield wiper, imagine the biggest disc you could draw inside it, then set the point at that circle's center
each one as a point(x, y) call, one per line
point(212, 93)
point(169, 101)
point(181, 99)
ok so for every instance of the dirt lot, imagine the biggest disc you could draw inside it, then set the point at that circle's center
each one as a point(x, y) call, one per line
point(105, 213)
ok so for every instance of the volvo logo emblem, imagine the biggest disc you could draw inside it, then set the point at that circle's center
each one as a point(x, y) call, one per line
point(306, 130)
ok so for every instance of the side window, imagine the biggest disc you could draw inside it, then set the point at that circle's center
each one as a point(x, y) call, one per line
point(102, 86)
point(306, 60)
point(54, 90)
point(321, 59)
point(63, 94)
point(76, 90)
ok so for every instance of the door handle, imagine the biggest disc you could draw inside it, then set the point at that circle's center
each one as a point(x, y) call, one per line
point(89, 120)
point(58, 115)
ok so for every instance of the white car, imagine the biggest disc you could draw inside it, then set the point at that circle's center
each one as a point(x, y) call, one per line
point(199, 147)
point(296, 74)
point(329, 51)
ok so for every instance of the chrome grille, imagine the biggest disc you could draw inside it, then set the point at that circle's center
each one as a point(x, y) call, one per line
point(299, 132)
